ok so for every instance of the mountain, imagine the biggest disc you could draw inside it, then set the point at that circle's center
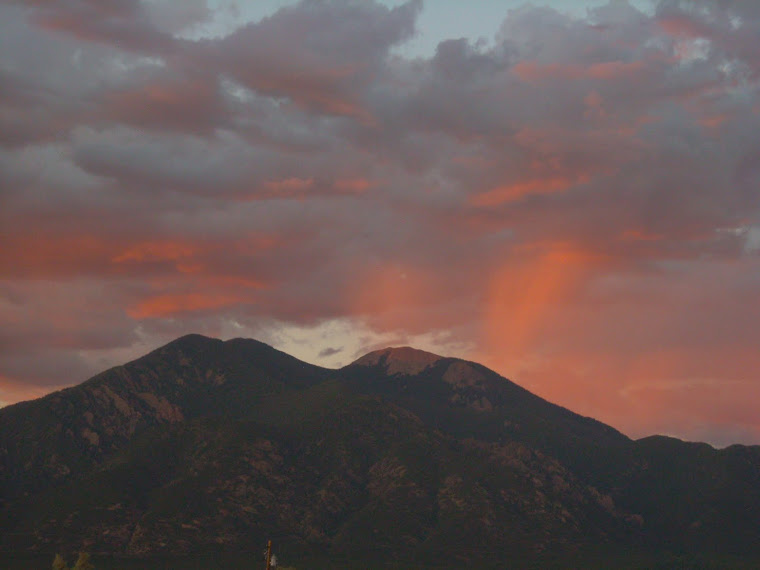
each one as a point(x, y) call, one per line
point(210, 448)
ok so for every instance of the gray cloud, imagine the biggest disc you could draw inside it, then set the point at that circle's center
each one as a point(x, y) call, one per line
point(330, 351)
point(565, 194)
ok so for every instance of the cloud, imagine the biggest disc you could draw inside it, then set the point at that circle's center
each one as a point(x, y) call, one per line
point(320, 55)
point(573, 203)
point(180, 17)
point(124, 24)
point(330, 351)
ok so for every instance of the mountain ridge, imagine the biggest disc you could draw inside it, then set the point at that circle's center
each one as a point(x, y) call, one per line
point(204, 444)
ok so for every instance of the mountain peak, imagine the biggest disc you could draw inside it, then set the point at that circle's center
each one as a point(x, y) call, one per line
point(403, 443)
point(399, 360)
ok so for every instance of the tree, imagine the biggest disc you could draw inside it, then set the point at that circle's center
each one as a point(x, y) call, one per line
point(83, 562)
point(59, 563)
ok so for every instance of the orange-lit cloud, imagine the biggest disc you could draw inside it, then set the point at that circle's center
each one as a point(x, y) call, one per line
point(289, 186)
point(524, 296)
point(12, 391)
point(170, 305)
point(639, 235)
point(519, 190)
point(156, 251)
point(576, 201)
point(353, 185)
point(49, 255)
point(611, 70)
point(191, 104)
point(390, 295)
point(680, 26)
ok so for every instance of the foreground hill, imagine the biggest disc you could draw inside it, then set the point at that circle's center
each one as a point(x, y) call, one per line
point(208, 447)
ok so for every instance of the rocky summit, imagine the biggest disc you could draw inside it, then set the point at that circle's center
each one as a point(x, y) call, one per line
point(205, 447)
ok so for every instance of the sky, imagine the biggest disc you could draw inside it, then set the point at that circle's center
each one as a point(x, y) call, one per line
point(567, 192)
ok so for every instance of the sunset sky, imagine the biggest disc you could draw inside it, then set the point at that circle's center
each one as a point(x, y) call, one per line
point(566, 191)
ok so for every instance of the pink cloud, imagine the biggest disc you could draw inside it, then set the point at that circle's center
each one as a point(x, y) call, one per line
point(178, 304)
point(572, 200)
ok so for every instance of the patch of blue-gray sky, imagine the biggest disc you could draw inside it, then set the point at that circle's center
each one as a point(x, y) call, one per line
point(438, 20)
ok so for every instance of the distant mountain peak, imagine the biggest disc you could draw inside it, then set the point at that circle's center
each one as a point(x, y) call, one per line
point(399, 360)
